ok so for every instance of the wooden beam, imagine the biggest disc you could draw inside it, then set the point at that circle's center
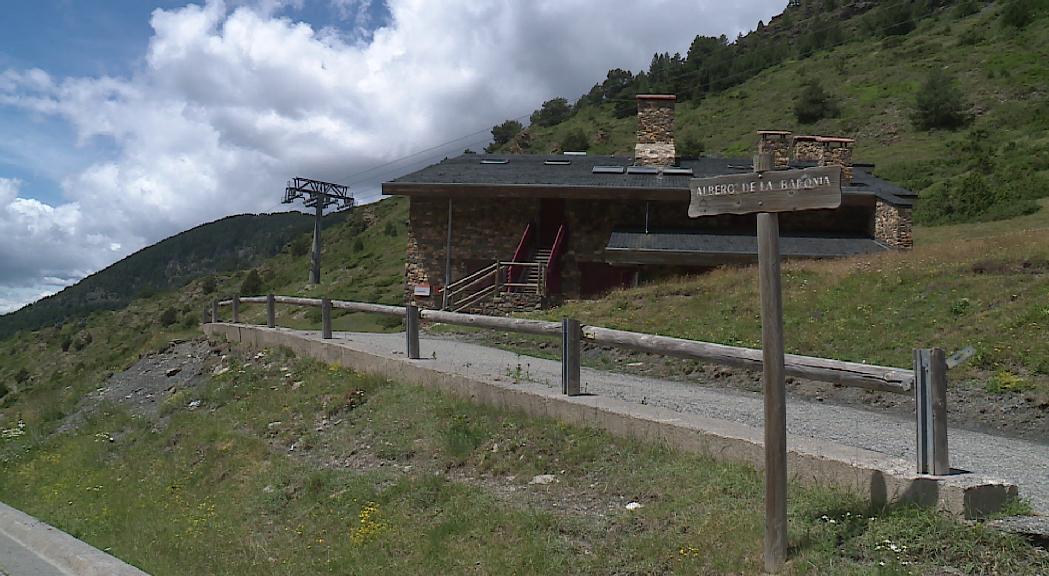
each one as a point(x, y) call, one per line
point(880, 378)
point(495, 322)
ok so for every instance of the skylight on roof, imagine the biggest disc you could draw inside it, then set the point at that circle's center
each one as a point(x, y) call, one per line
point(607, 170)
point(557, 162)
point(495, 161)
point(674, 171)
point(574, 153)
point(642, 170)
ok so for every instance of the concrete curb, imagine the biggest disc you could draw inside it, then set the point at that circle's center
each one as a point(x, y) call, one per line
point(64, 552)
point(868, 474)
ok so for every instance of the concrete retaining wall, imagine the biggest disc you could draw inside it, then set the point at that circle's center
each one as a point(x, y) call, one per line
point(871, 475)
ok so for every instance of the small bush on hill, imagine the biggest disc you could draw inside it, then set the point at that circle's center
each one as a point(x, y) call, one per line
point(208, 285)
point(300, 246)
point(252, 284)
point(814, 103)
point(168, 316)
point(4, 391)
point(966, 8)
point(891, 19)
point(82, 341)
point(22, 376)
point(971, 197)
point(1019, 13)
point(358, 245)
point(939, 103)
point(390, 229)
point(553, 111)
point(691, 147)
point(575, 141)
point(503, 133)
point(67, 341)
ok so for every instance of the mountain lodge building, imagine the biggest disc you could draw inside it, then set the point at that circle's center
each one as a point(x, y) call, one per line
point(498, 233)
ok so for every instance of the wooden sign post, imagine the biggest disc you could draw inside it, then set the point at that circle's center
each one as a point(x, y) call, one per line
point(768, 193)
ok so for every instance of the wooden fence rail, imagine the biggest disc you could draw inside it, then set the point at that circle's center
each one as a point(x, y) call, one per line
point(931, 427)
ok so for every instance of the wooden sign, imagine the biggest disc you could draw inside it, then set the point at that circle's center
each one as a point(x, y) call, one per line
point(771, 191)
point(422, 290)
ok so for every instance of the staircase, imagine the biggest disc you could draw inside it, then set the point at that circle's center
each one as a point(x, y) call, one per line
point(507, 286)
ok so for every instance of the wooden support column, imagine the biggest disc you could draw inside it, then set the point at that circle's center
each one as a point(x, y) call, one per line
point(571, 348)
point(412, 331)
point(214, 310)
point(930, 408)
point(326, 318)
point(271, 311)
point(236, 309)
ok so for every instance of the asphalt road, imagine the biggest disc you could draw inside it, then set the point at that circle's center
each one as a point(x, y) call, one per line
point(18, 561)
point(1017, 461)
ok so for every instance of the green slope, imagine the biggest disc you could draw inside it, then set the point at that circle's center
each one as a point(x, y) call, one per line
point(1000, 70)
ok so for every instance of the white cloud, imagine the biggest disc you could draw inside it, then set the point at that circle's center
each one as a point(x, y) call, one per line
point(231, 100)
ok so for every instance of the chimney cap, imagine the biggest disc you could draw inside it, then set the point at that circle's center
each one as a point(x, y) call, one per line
point(774, 132)
point(837, 139)
point(670, 97)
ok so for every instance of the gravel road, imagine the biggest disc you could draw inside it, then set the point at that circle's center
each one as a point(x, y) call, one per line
point(1025, 463)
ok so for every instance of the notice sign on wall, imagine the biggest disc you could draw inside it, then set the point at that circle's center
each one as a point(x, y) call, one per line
point(771, 191)
point(422, 290)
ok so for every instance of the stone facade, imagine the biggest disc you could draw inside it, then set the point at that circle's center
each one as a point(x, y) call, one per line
point(483, 231)
point(655, 131)
point(838, 151)
point(892, 225)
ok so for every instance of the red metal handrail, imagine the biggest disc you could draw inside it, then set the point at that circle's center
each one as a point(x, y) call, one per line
point(553, 266)
point(521, 253)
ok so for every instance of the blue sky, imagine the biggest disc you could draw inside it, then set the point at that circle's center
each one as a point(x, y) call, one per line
point(127, 121)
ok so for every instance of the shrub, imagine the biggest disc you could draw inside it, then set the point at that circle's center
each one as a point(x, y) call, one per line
point(971, 198)
point(575, 141)
point(21, 376)
point(939, 103)
point(966, 8)
point(67, 341)
point(208, 285)
point(300, 246)
point(252, 284)
point(358, 245)
point(553, 111)
point(503, 133)
point(814, 103)
point(390, 229)
point(1018, 13)
point(4, 391)
point(691, 147)
point(168, 316)
point(82, 341)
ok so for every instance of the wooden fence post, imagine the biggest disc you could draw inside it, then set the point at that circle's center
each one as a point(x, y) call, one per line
point(326, 318)
point(236, 309)
point(271, 311)
point(214, 310)
point(411, 321)
point(930, 408)
point(571, 346)
point(204, 315)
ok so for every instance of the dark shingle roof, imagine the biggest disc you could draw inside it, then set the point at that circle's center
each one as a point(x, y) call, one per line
point(531, 170)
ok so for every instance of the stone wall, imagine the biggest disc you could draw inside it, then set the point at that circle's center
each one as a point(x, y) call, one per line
point(839, 153)
point(483, 231)
point(892, 225)
point(655, 131)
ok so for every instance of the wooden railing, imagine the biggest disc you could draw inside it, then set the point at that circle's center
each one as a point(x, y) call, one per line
point(496, 278)
point(928, 381)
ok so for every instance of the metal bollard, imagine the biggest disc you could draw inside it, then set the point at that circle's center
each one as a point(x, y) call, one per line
point(326, 318)
point(930, 408)
point(570, 351)
point(412, 331)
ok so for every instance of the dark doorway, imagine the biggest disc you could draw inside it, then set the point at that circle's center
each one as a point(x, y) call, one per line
point(599, 278)
point(551, 217)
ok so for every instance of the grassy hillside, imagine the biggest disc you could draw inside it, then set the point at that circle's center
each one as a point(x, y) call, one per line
point(362, 259)
point(991, 168)
point(348, 474)
point(981, 285)
point(221, 246)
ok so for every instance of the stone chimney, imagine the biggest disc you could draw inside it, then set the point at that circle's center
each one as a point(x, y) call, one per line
point(776, 143)
point(807, 149)
point(655, 130)
point(838, 151)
